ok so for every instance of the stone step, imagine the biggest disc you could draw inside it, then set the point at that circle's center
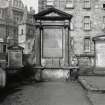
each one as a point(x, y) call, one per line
point(93, 83)
point(99, 72)
point(55, 75)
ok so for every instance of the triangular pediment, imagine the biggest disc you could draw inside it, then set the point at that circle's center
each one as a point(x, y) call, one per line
point(51, 14)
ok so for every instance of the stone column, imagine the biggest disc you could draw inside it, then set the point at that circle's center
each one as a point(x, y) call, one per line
point(66, 57)
point(70, 47)
point(38, 70)
point(38, 47)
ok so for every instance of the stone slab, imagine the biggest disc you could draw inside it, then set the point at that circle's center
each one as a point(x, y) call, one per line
point(55, 74)
point(93, 83)
point(96, 98)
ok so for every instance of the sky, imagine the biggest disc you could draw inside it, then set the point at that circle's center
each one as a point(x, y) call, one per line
point(33, 3)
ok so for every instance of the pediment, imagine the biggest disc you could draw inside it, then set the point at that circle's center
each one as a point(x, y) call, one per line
point(52, 13)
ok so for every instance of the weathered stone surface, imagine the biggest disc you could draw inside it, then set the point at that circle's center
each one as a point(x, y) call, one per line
point(55, 74)
point(93, 83)
point(96, 98)
point(48, 93)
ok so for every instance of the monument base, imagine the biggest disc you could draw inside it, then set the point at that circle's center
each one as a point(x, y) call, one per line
point(55, 75)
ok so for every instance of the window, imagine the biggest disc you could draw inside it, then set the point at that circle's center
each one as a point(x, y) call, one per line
point(31, 32)
point(87, 44)
point(29, 45)
point(17, 4)
point(0, 11)
point(15, 32)
point(22, 32)
point(69, 4)
point(103, 19)
point(71, 26)
point(104, 6)
point(72, 42)
point(104, 22)
point(3, 47)
point(87, 4)
point(87, 23)
point(50, 2)
point(17, 19)
point(20, 5)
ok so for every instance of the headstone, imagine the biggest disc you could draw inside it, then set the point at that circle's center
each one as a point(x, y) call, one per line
point(15, 56)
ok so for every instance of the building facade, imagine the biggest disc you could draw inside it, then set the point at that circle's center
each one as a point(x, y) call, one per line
point(26, 31)
point(12, 14)
point(88, 21)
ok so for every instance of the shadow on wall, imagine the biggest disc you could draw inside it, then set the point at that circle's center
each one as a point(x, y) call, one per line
point(28, 62)
point(28, 59)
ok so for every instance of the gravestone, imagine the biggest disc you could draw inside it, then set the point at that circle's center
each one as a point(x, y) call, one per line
point(15, 53)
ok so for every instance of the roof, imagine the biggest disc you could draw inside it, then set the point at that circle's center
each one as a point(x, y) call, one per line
point(99, 38)
point(15, 47)
point(60, 15)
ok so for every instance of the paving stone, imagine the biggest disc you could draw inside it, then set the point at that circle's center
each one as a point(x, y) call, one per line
point(96, 98)
point(93, 83)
